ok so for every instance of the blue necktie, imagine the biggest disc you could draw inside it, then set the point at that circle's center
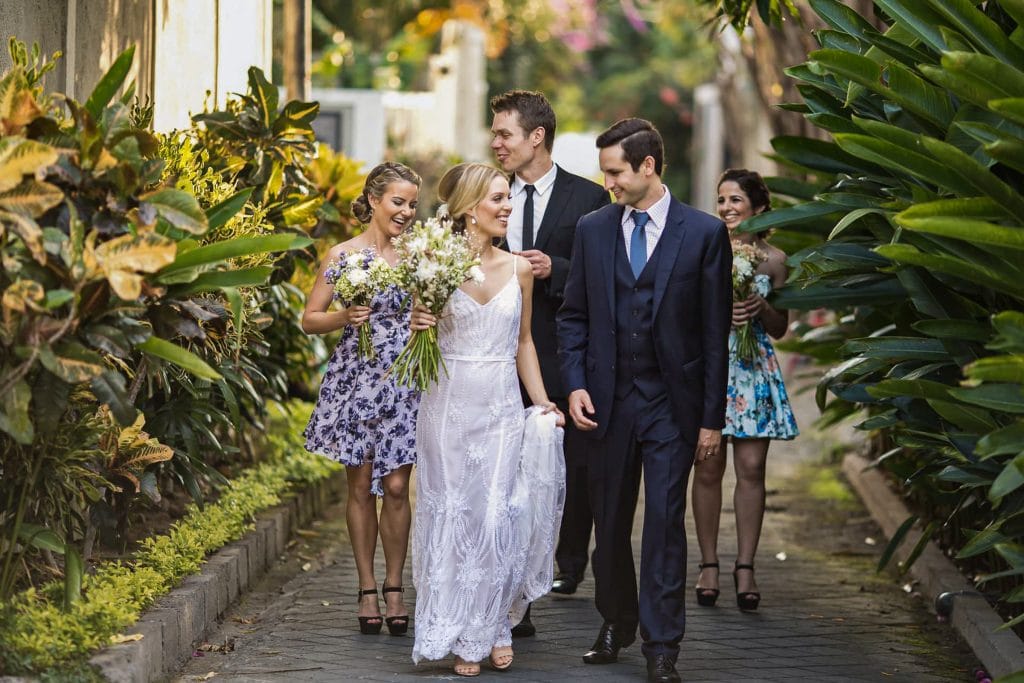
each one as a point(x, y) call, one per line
point(638, 243)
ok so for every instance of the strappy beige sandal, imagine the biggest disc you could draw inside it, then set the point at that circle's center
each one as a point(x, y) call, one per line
point(467, 669)
point(501, 657)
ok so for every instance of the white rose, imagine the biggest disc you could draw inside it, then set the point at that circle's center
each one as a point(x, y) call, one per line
point(358, 277)
point(476, 274)
point(426, 271)
point(354, 260)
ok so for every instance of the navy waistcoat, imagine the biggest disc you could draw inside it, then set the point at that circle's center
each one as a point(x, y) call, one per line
point(636, 364)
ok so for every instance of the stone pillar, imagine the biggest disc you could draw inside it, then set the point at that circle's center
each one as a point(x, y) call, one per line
point(707, 159)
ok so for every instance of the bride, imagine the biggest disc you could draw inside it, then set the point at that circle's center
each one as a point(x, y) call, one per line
point(490, 478)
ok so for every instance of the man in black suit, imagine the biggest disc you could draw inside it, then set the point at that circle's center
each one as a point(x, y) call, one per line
point(643, 334)
point(547, 202)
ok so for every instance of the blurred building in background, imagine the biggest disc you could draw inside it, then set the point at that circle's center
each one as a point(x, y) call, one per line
point(186, 50)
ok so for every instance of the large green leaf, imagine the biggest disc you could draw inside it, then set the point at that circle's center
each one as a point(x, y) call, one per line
point(918, 19)
point(977, 177)
point(15, 416)
point(110, 389)
point(1008, 481)
point(235, 248)
point(898, 348)
point(981, 542)
point(179, 208)
point(997, 369)
point(879, 293)
point(1004, 441)
point(265, 94)
point(183, 358)
point(951, 265)
point(40, 537)
point(110, 83)
point(975, 208)
point(982, 31)
point(964, 330)
point(902, 159)
point(19, 157)
point(1012, 108)
point(241, 277)
point(1005, 397)
point(819, 155)
point(72, 362)
point(217, 216)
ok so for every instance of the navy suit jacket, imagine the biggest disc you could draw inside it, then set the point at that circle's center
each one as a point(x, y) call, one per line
point(692, 315)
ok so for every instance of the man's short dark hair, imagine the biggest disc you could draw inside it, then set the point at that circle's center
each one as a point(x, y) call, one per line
point(534, 111)
point(639, 139)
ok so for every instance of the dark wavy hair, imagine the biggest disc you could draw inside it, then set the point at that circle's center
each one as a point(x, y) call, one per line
point(753, 186)
point(639, 139)
point(376, 185)
point(533, 109)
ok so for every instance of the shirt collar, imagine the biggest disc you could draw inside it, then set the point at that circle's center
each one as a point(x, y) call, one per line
point(658, 211)
point(542, 185)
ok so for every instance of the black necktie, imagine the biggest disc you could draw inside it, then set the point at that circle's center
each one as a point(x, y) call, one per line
point(528, 218)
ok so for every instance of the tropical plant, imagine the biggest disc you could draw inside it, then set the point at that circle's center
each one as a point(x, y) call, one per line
point(915, 209)
point(110, 276)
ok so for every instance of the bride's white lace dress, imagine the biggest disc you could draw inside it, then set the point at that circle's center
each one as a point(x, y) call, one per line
point(490, 486)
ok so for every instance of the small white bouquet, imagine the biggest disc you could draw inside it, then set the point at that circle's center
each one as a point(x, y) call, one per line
point(745, 260)
point(433, 263)
point(355, 279)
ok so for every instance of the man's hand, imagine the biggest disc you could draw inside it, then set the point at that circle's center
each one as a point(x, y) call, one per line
point(709, 444)
point(540, 263)
point(579, 407)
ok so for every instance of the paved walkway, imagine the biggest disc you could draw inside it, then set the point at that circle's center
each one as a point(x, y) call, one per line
point(825, 615)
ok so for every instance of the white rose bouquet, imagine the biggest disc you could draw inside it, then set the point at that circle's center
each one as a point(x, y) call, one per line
point(355, 279)
point(745, 260)
point(433, 263)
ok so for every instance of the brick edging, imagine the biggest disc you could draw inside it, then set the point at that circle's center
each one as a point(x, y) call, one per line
point(1000, 652)
point(178, 621)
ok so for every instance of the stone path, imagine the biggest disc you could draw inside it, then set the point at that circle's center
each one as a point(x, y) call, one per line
point(825, 615)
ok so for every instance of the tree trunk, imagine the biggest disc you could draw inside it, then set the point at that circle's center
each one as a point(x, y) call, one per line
point(298, 47)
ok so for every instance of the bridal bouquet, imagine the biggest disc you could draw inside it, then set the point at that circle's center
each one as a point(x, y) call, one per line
point(433, 262)
point(355, 279)
point(745, 259)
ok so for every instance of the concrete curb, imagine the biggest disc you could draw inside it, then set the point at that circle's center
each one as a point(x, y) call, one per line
point(181, 619)
point(1000, 652)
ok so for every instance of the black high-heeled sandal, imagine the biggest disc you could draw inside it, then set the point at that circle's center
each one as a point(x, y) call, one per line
point(706, 597)
point(369, 626)
point(397, 626)
point(747, 601)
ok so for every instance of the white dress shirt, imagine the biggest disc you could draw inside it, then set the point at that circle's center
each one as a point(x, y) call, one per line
point(541, 196)
point(658, 213)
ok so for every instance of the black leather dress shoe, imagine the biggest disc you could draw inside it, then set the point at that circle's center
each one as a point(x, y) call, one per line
point(565, 584)
point(610, 639)
point(525, 628)
point(662, 669)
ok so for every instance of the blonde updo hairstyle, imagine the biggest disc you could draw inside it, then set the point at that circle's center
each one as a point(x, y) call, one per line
point(464, 186)
point(376, 185)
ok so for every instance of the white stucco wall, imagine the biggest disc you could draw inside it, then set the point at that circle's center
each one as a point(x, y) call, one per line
point(184, 48)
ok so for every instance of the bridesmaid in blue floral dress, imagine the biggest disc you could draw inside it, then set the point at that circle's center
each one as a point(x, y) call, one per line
point(757, 408)
point(362, 418)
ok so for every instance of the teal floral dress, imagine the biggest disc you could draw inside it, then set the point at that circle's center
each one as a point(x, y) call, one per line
point(757, 405)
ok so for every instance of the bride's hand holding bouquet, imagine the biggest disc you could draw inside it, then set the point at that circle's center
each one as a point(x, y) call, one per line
point(433, 262)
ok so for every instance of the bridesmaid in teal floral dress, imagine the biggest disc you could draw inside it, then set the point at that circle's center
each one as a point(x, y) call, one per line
point(757, 410)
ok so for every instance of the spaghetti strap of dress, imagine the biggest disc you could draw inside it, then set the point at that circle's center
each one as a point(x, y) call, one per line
point(515, 264)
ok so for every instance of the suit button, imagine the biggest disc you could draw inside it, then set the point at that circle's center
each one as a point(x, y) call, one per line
point(636, 313)
point(635, 335)
point(636, 289)
point(634, 356)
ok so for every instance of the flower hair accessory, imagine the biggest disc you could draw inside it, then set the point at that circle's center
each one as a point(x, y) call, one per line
point(442, 213)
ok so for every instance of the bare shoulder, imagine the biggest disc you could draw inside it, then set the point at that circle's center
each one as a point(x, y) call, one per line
point(775, 261)
point(343, 248)
point(523, 269)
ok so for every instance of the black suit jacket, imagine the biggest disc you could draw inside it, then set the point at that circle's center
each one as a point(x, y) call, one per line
point(692, 315)
point(572, 197)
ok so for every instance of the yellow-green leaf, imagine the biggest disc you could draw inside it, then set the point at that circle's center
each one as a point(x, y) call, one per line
point(14, 417)
point(72, 363)
point(124, 257)
point(19, 156)
point(23, 294)
point(32, 198)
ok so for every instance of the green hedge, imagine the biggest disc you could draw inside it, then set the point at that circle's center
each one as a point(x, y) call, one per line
point(37, 633)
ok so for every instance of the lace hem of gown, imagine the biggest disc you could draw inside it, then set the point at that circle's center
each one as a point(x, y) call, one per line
point(444, 622)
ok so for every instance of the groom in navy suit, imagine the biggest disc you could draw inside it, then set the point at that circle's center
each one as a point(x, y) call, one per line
point(643, 334)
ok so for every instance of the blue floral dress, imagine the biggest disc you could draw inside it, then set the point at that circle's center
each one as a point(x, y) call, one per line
point(361, 415)
point(757, 405)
